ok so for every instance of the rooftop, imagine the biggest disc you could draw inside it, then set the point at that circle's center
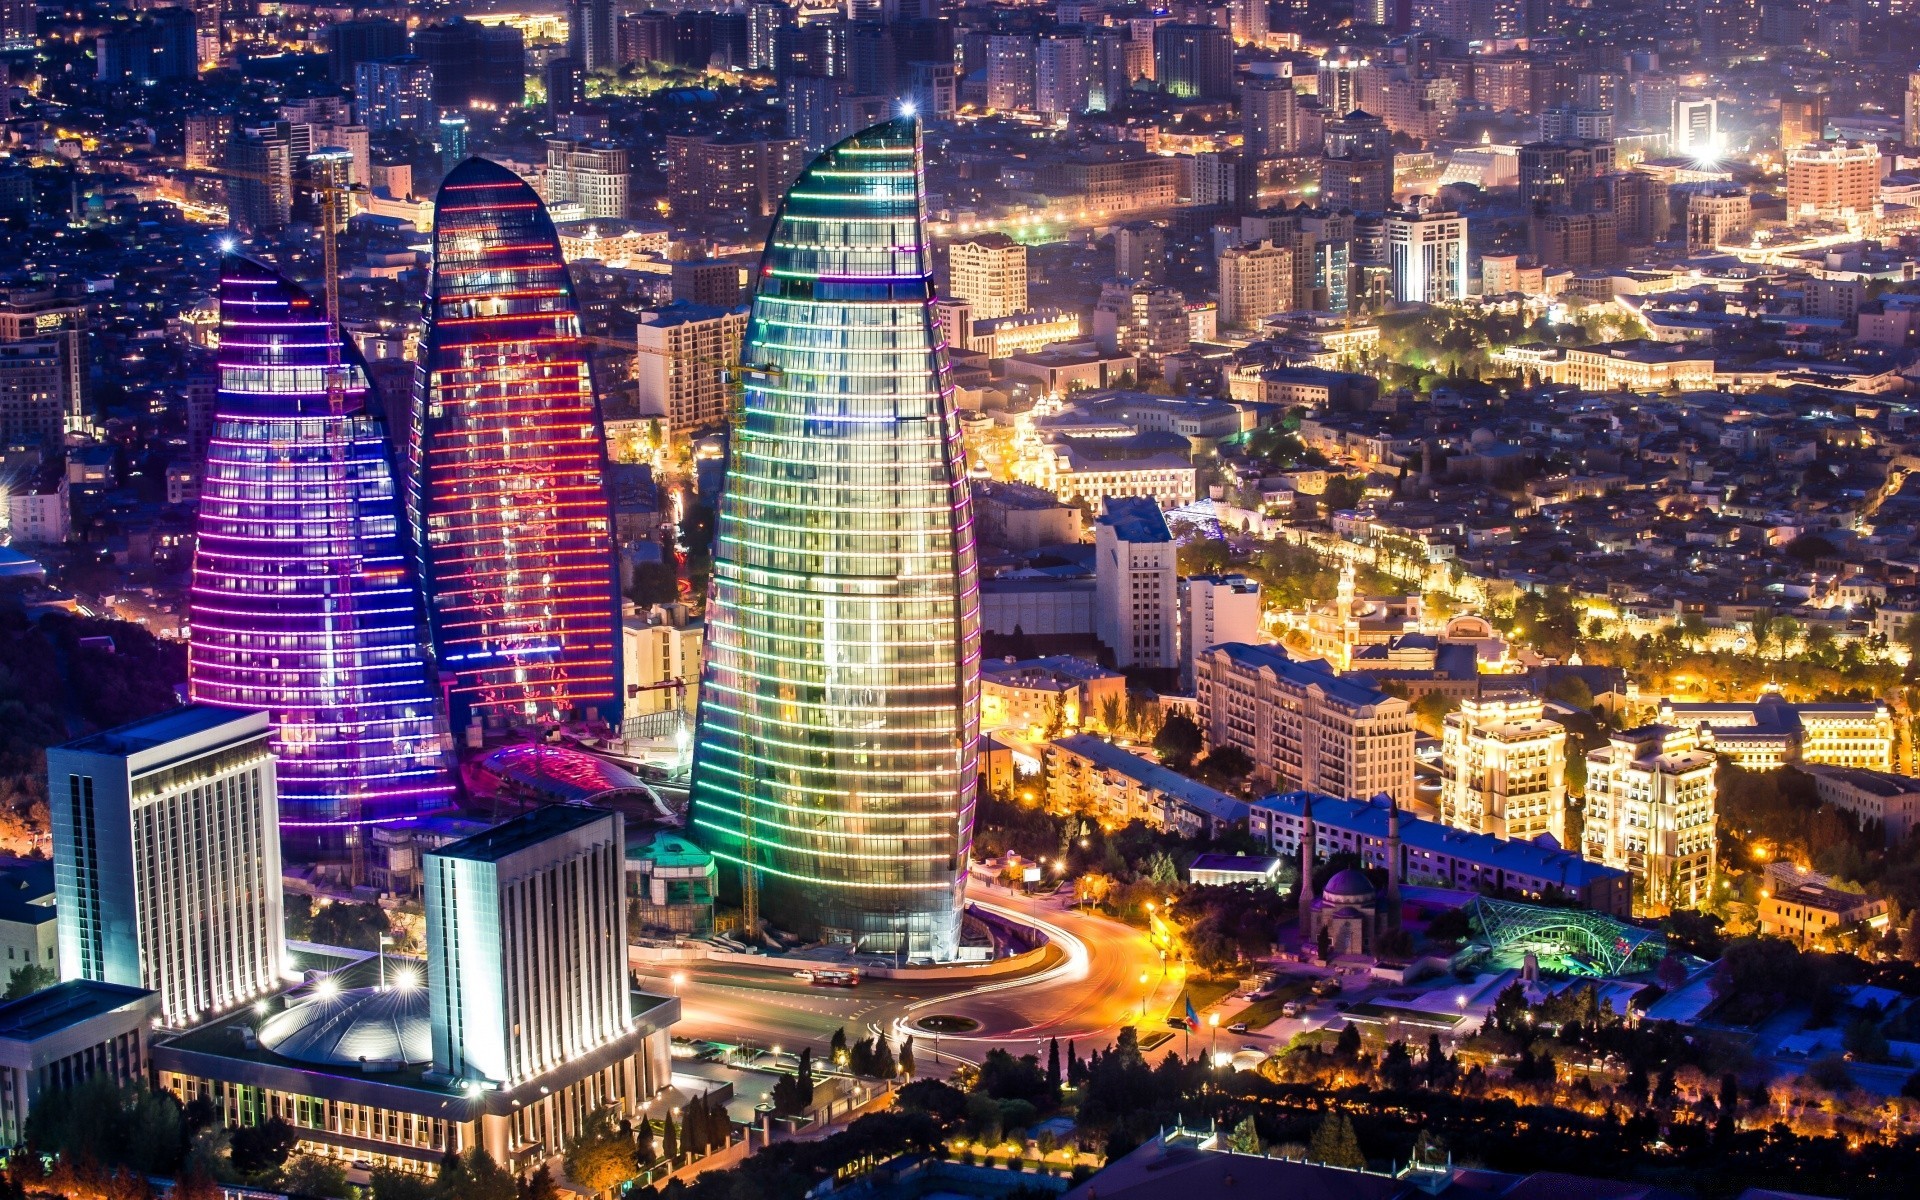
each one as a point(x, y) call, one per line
point(1136, 519)
point(66, 1004)
point(1150, 774)
point(26, 891)
point(1356, 692)
point(527, 829)
point(192, 720)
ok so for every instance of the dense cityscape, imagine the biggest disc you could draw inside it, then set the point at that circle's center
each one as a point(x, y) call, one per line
point(917, 598)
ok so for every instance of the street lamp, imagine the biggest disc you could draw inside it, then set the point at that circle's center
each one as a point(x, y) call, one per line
point(678, 978)
point(1143, 996)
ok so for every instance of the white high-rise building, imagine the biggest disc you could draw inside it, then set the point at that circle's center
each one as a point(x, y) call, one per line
point(680, 363)
point(1695, 130)
point(1135, 603)
point(988, 271)
point(1503, 767)
point(1269, 113)
point(1650, 808)
point(1215, 609)
point(166, 853)
point(527, 945)
point(1427, 255)
point(1912, 108)
point(1062, 85)
point(1010, 72)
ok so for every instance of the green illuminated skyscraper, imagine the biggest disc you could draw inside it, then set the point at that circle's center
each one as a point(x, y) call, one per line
point(840, 701)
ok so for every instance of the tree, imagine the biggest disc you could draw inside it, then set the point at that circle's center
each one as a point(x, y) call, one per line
point(654, 583)
point(1178, 741)
point(540, 1186)
point(388, 1184)
point(355, 926)
point(1053, 1064)
point(1910, 939)
point(1225, 766)
point(262, 1149)
point(28, 979)
point(1244, 1138)
point(1076, 1074)
point(600, 1157)
point(906, 1057)
point(645, 1151)
point(669, 1140)
point(1335, 1144)
point(837, 1048)
point(310, 1176)
point(793, 1094)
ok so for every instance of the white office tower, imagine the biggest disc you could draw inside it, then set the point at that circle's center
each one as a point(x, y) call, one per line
point(527, 946)
point(1135, 603)
point(166, 851)
point(1427, 255)
point(1215, 609)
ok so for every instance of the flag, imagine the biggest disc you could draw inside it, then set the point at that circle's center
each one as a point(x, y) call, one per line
point(1193, 1018)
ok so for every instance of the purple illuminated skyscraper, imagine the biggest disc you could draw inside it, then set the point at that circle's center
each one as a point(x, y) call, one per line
point(304, 598)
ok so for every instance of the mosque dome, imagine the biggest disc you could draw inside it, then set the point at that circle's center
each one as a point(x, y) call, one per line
point(1349, 887)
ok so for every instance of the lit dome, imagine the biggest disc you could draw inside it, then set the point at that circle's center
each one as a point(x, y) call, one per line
point(360, 1027)
point(1349, 887)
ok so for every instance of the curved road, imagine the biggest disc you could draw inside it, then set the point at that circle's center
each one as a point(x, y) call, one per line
point(1086, 996)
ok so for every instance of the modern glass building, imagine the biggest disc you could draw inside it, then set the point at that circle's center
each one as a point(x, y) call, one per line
point(839, 704)
point(304, 601)
point(507, 468)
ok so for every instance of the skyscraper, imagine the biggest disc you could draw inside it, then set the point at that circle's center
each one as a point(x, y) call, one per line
point(507, 467)
point(591, 40)
point(167, 858)
point(840, 706)
point(304, 602)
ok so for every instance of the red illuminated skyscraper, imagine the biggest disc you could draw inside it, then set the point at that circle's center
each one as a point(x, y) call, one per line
point(508, 467)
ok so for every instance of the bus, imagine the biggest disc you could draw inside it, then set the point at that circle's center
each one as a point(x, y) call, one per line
point(836, 979)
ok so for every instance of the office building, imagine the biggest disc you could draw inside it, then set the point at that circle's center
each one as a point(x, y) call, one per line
point(526, 937)
point(1136, 607)
point(708, 174)
point(594, 177)
point(1431, 854)
point(1503, 767)
point(764, 17)
point(474, 64)
point(933, 89)
point(591, 39)
point(304, 602)
point(1566, 123)
point(1695, 129)
point(1140, 251)
point(166, 853)
point(988, 271)
point(1555, 173)
point(396, 93)
point(1193, 62)
point(1337, 83)
point(507, 468)
point(29, 922)
point(1834, 181)
point(684, 356)
point(1303, 725)
point(362, 40)
point(1771, 732)
point(1650, 812)
point(62, 1036)
point(517, 1026)
point(1255, 281)
point(842, 669)
point(1427, 255)
point(1269, 115)
point(1216, 609)
point(451, 138)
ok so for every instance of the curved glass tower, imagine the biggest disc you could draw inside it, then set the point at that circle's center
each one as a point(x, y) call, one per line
point(304, 600)
point(508, 467)
point(840, 700)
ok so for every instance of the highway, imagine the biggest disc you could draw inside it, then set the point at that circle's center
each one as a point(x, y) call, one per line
point(1086, 994)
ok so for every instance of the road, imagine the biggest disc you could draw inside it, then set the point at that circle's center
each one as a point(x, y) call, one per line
point(1086, 995)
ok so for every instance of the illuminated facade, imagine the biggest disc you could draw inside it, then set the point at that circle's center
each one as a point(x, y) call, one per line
point(840, 704)
point(304, 602)
point(508, 467)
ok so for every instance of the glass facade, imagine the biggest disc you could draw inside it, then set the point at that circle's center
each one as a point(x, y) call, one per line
point(304, 601)
point(508, 467)
point(840, 699)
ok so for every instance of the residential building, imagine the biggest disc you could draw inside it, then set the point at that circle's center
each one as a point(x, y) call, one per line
point(863, 529)
point(474, 63)
point(684, 354)
point(594, 177)
point(166, 853)
point(1216, 609)
point(1010, 73)
point(1803, 119)
point(1054, 693)
point(524, 608)
point(1554, 173)
point(1269, 116)
point(61, 1036)
point(1503, 767)
point(1302, 724)
point(1438, 855)
point(1147, 320)
point(1650, 811)
point(1255, 281)
point(1809, 908)
point(33, 392)
point(1087, 774)
point(396, 93)
point(708, 174)
point(1716, 214)
point(662, 669)
point(1834, 181)
point(989, 272)
point(1134, 570)
point(1892, 800)
point(1193, 62)
point(1140, 251)
point(40, 515)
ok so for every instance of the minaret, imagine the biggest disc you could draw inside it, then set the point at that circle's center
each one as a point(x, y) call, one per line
point(1343, 608)
point(1306, 866)
point(1393, 862)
